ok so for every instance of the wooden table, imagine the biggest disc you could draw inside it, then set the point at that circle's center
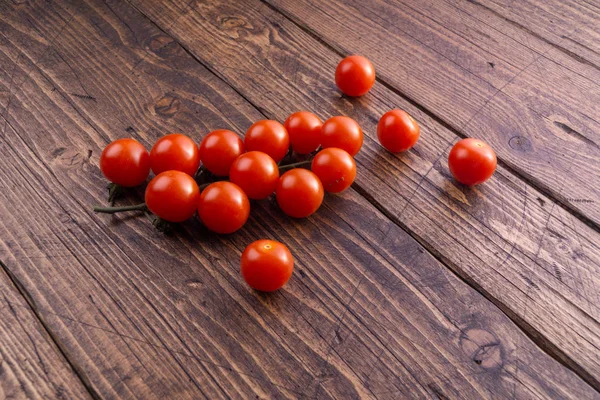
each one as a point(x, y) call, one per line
point(408, 285)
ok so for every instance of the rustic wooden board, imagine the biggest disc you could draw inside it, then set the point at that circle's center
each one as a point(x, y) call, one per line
point(522, 250)
point(369, 313)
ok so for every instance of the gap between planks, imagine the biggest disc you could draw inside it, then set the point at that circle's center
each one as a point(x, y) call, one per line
point(540, 340)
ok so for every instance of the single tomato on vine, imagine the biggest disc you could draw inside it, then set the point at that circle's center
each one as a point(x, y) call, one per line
point(397, 131)
point(472, 161)
point(269, 137)
point(299, 193)
point(175, 152)
point(355, 75)
point(304, 129)
point(223, 207)
point(172, 196)
point(125, 162)
point(219, 149)
point(343, 133)
point(267, 265)
point(335, 168)
point(256, 173)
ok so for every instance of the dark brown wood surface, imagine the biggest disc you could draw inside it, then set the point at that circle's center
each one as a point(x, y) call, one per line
point(406, 286)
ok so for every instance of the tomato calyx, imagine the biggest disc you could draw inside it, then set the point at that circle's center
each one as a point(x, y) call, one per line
point(114, 191)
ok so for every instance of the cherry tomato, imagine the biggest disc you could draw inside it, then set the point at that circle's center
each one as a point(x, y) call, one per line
point(267, 265)
point(256, 173)
point(472, 161)
point(219, 149)
point(175, 152)
point(223, 207)
point(355, 75)
point(125, 162)
point(304, 129)
point(343, 133)
point(269, 137)
point(299, 193)
point(397, 131)
point(172, 196)
point(335, 168)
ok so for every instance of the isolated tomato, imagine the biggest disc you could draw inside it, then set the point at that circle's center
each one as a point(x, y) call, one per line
point(267, 265)
point(335, 168)
point(355, 75)
point(175, 152)
point(172, 196)
point(125, 162)
point(472, 161)
point(269, 137)
point(397, 131)
point(343, 133)
point(219, 149)
point(256, 173)
point(304, 129)
point(299, 193)
point(223, 207)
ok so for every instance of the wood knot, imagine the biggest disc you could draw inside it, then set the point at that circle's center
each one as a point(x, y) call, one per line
point(164, 46)
point(520, 143)
point(167, 106)
point(483, 348)
point(232, 22)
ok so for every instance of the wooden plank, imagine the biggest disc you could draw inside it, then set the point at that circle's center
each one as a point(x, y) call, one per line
point(31, 364)
point(477, 91)
point(357, 319)
point(527, 254)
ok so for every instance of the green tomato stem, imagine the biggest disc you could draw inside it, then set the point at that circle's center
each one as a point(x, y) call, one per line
point(113, 210)
point(295, 165)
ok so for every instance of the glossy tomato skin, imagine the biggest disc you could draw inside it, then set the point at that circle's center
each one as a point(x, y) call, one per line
point(175, 152)
point(355, 75)
point(269, 137)
point(172, 196)
point(256, 173)
point(304, 129)
point(335, 168)
point(219, 149)
point(299, 193)
point(398, 131)
point(223, 207)
point(472, 161)
point(125, 162)
point(343, 133)
point(267, 265)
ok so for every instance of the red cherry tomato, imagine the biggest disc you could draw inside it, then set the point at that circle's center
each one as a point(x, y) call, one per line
point(172, 196)
point(397, 131)
point(269, 137)
point(299, 193)
point(472, 161)
point(304, 129)
point(125, 162)
point(335, 168)
point(355, 75)
point(343, 133)
point(256, 173)
point(175, 152)
point(267, 265)
point(219, 149)
point(223, 207)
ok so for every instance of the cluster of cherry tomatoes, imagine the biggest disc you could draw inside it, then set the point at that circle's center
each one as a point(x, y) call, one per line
point(218, 178)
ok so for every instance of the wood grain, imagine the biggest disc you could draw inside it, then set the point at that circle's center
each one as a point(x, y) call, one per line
point(522, 250)
point(369, 312)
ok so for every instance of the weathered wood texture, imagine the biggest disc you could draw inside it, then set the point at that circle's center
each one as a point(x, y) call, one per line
point(368, 313)
point(529, 255)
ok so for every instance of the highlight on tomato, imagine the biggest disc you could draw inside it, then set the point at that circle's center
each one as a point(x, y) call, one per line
point(223, 207)
point(256, 173)
point(268, 136)
point(299, 193)
point(175, 152)
point(125, 162)
point(304, 130)
point(342, 132)
point(355, 75)
point(267, 265)
point(472, 161)
point(219, 149)
point(172, 196)
point(335, 168)
point(397, 131)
